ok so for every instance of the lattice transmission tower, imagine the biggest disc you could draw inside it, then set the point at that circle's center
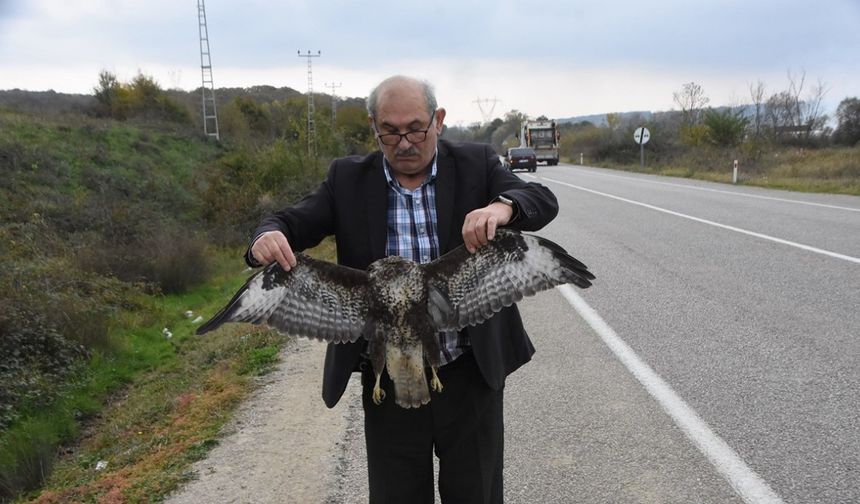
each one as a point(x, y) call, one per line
point(312, 133)
point(333, 87)
point(210, 111)
point(487, 106)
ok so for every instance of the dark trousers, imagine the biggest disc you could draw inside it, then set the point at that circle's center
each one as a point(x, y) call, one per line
point(464, 426)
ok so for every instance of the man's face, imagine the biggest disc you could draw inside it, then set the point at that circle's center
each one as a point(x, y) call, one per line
point(402, 108)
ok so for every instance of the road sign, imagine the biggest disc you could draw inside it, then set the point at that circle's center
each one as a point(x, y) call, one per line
point(641, 135)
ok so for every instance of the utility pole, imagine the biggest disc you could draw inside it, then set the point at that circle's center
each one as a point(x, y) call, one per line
point(487, 113)
point(333, 87)
point(311, 128)
point(210, 113)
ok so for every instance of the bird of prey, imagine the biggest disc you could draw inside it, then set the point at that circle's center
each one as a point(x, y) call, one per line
point(400, 306)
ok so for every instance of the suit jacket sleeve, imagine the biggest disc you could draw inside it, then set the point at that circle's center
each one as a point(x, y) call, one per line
point(304, 224)
point(536, 204)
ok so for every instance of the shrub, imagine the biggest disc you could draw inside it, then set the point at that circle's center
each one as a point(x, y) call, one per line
point(27, 456)
point(163, 255)
point(37, 358)
point(725, 127)
point(693, 135)
point(247, 184)
point(142, 97)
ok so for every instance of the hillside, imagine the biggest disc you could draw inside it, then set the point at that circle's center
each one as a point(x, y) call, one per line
point(110, 231)
point(44, 103)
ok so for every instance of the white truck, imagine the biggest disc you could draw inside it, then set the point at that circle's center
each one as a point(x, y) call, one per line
point(541, 135)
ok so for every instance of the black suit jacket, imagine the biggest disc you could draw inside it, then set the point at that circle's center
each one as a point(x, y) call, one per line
point(352, 205)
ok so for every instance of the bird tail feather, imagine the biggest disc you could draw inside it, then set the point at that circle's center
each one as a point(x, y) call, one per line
point(406, 369)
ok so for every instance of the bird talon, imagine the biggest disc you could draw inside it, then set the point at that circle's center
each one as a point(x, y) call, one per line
point(435, 382)
point(378, 393)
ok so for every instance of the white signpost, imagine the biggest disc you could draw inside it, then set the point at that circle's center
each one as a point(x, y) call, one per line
point(641, 136)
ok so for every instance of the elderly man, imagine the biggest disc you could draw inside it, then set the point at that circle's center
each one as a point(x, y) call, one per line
point(420, 196)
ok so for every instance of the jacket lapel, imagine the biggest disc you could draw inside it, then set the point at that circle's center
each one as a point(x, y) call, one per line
point(444, 197)
point(376, 194)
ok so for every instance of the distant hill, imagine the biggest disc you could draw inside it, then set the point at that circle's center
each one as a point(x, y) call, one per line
point(52, 103)
point(600, 119)
point(45, 102)
point(260, 94)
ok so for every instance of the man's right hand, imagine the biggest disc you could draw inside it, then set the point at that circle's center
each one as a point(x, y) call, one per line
point(273, 246)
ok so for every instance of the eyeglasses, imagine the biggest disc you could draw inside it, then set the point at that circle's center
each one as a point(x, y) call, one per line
point(413, 137)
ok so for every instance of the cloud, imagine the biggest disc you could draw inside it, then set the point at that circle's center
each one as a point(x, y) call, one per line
point(566, 57)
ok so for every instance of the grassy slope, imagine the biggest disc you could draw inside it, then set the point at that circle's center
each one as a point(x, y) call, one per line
point(148, 405)
point(179, 394)
point(171, 394)
point(67, 156)
point(171, 412)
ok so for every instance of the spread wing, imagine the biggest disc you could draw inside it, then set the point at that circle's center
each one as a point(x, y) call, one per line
point(467, 289)
point(316, 299)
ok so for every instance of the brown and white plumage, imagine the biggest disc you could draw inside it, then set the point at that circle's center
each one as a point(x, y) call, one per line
point(399, 306)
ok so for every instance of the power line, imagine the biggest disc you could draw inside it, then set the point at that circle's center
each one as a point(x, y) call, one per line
point(311, 127)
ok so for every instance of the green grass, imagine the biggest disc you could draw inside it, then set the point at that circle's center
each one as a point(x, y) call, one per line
point(68, 155)
point(155, 388)
point(94, 215)
point(155, 406)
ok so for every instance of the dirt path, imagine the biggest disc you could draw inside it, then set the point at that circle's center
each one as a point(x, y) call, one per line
point(284, 445)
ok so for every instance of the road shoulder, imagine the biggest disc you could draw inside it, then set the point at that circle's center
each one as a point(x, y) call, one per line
point(282, 445)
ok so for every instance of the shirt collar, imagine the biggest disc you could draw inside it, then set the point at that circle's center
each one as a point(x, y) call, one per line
point(393, 182)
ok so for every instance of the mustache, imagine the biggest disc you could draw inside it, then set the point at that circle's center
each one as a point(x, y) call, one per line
point(411, 151)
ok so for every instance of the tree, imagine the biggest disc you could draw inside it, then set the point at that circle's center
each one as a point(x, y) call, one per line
point(106, 92)
point(726, 127)
point(691, 99)
point(848, 115)
point(142, 97)
point(258, 117)
point(613, 121)
point(757, 97)
point(353, 127)
point(793, 113)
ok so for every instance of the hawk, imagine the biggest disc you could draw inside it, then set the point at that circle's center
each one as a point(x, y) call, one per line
point(400, 306)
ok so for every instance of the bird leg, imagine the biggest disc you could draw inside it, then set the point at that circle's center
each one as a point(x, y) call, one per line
point(435, 382)
point(378, 393)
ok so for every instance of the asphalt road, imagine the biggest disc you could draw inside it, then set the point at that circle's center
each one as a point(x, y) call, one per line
point(742, 306)
point(719, 363)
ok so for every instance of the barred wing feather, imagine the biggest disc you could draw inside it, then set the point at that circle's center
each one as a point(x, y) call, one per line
point(315, 299)
point(467, 289)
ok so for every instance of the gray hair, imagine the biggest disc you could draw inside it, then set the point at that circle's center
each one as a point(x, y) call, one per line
point(426, 87)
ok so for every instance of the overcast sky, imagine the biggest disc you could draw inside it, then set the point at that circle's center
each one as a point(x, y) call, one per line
point(542, 57)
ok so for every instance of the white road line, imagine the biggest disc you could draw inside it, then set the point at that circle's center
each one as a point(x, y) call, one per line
point(721, 191)
point(751, 488)
point(712, 223)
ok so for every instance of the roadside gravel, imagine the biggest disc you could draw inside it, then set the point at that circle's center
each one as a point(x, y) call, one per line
point(284, 445)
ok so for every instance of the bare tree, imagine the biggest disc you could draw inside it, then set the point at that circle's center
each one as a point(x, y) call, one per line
point(813, 112)
point(790, 113)
point(757, 96)
point(691, 99)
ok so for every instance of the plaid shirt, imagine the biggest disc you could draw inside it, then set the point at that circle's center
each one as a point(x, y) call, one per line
point(412, 234)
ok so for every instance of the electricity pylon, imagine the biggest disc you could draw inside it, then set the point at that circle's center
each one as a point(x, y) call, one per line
point(487, 113)
point(311, 127)
point(210, 112)
point(333, 87)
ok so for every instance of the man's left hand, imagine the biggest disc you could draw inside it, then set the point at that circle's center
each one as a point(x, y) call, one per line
point(480, 224)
